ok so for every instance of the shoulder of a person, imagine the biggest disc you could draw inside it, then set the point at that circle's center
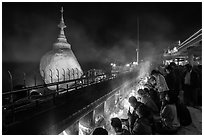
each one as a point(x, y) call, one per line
point(138, 120)
point(172, 105)
point(140, 103)
point(161, 76)
point(167, 107)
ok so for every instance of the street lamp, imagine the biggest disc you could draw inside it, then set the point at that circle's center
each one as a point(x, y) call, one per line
point(137, 55)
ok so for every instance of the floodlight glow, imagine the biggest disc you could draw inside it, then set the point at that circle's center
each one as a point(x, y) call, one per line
point(127, 65)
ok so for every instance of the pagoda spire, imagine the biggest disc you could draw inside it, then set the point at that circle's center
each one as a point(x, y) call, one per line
point(62, 41)
point(62, 26)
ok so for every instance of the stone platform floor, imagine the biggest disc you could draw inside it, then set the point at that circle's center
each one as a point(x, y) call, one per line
point(195, 128)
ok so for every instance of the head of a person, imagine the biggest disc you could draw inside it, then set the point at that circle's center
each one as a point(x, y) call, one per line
point(100, 131)
point(173, 64)
point(116, 124)
point(188, 67)
point(154, 72)
point(146, 90)
point(142, 111)
point(142, 95)
point(133, 101)
point(152, 80)
point(142, 92)
point(168, 69)
point(170, 98)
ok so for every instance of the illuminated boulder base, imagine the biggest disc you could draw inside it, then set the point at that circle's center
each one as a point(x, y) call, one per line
point(60, 63)
point(62, 60)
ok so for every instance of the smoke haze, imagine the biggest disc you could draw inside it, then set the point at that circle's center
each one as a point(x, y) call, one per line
point(99, 33)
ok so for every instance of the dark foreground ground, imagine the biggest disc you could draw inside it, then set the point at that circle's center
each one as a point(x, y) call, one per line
point(195, 128)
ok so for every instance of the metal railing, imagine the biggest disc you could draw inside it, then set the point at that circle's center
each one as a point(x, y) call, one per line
point(89, 78)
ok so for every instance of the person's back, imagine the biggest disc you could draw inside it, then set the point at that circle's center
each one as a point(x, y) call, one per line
point(142, 126)
point(170, 78)
point(162, 86)
point(169, 115)
point(133, 116)
point(150, 104)
point(154, 95)
point(117, 126)
point(178, 76)
point(168, 123)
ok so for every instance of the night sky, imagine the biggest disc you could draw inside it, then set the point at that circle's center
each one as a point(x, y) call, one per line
point(98, 32)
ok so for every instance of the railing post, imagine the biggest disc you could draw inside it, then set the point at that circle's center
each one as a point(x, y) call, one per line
point(11, 97)
point(68, 74)
point(92, 76)
point(87, 78)
point(57, 89)
point(67, 87)
point(11, 85)
point(82, 80)
point(24, 81)
point(35, 81)
point(43, 77)
point(93, 117)
point(103, 76)
point(28, 94)
point(105, 108)
point(77, 76)
point(75, 83)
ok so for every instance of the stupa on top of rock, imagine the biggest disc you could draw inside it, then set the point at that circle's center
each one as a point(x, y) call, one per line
point(60, 63)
